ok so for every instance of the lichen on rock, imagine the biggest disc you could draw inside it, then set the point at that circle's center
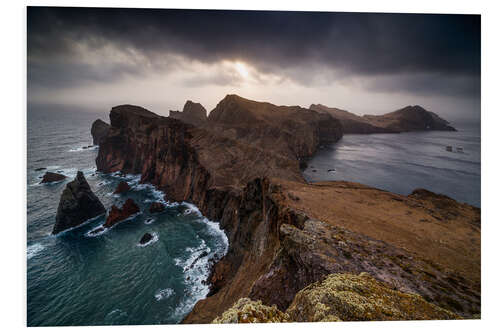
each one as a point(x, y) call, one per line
point(350, 297)
point(247, 311)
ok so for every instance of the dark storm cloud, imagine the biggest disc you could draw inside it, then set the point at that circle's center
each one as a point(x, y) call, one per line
point(443, 47)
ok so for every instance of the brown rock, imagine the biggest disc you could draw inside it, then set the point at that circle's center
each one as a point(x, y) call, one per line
point(156, 207)
point(116, 214)
point(49, 177)
point(122, 187)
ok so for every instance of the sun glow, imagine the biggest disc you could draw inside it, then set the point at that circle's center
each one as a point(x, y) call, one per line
point(241, 68)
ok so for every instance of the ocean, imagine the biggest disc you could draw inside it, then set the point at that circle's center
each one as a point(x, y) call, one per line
point(403, 162)
point(75, 279)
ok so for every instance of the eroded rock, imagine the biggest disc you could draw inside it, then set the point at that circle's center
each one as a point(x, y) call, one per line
point(50, 177)
point(116, 214)
point(77, 204)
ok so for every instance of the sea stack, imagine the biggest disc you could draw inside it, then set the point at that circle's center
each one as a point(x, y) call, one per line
point(99, 130)
point(77, 204)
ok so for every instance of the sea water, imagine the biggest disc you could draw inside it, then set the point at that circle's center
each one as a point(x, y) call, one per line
point(403, 162)
point(109, 279)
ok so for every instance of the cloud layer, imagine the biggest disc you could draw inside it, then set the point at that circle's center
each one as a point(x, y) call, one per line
point(426, 57)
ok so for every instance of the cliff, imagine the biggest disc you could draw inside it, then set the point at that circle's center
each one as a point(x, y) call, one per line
point(243, 169)
point(192, 113)
point(98, 130)
point(410, 118)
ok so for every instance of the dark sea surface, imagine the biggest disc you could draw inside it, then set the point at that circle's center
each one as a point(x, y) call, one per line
point(403, 162)
point(74, 279)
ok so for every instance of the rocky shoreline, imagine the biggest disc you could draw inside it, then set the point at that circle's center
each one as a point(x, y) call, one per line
point(242, 167)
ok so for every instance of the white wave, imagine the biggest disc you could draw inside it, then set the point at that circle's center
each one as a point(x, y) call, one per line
point(163, 294)
point(149, 220)
point(83, 148)
point(92, 233)
point(153, 240)
point(34, 249)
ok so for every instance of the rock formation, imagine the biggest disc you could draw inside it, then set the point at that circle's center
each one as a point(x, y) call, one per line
point(156, 207)
point(192, 113)
point(247, 311)
point(340, 297)
point(116, 214)
point(122, 187)
point(50, 177)
point(146, 238)
point(98, 130)
point(243, 169)
point(77, 204)
point(410, 118)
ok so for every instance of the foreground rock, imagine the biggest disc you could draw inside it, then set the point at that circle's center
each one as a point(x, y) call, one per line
point(116, 214)
point(156, 207)
point(77, 204)
point(147, 237)
point(247, 311)
point(340, 297)
point(122, 187)
point(410, 118)
point(50, 177)
point(98, 131)
point(243, 169)
point(192, 113)
point(349, 297)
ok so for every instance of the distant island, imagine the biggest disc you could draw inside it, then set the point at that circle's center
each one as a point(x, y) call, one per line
point(241, 165)
point(409, 118)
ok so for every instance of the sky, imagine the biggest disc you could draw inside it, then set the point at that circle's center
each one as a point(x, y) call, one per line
point(366, 63)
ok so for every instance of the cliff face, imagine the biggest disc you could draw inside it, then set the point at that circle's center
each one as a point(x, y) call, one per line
point(98, 130)
point(410, 118)
point(291, 131)
point(242, 169)
point(192, 113)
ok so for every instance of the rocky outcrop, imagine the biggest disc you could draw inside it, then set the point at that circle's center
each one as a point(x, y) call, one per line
point(192, 113)
point(410, 118)
point(122, 187)
point(116, 214)
point(98, 130)
point(146, 238)
point(77, 204)
point(156, 207)
point(50, 177)
point(243, 169)
point(339, 297)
